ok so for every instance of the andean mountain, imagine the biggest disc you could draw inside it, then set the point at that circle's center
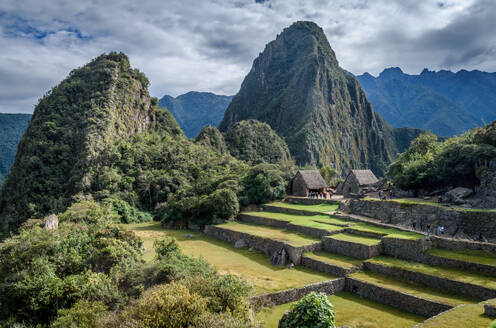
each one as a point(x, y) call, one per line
point(443, 102)
point(12, 126)
point(194, 110)
point(297, 86)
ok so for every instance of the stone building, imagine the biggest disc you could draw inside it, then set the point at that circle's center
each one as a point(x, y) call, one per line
point(307, 181)
point(356, 181)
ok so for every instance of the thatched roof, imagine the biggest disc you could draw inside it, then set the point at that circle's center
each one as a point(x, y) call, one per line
point(313, 179)
point(364, 177)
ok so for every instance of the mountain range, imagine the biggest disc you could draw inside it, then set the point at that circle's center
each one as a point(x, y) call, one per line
point(297, 87)
point(194, 110)
point(442, 102)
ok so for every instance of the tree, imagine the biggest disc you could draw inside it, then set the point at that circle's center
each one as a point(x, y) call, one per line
point(329, 174)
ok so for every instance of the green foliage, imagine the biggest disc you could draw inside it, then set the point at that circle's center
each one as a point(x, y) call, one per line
point(83, 314)
point(210, 136)
point(263, 183)
point(255, 142)
point(329, 174)
point(429, 164)
point(312, 311)
point(493, 324)
point(126, 212)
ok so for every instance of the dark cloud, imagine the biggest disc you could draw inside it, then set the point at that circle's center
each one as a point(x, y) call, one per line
point(210, 45)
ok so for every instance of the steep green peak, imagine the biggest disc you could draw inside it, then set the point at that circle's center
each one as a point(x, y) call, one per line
point(211, 137)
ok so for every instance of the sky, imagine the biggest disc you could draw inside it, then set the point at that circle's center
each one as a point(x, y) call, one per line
point(210, 45)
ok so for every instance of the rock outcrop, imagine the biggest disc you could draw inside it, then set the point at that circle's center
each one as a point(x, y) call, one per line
point(297, 86)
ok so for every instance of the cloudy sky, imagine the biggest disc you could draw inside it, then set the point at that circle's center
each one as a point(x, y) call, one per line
point(209, 45)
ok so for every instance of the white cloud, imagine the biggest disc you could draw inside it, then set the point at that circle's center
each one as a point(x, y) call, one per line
point(210, 45)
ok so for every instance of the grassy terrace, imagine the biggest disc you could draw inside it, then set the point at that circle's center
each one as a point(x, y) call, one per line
point(335, 259)
point(369, 241)
point(354, 312)
point(463, 316)
point(390, 232)
point(320, 208)
point(322, 218)
point(253, 266)
point(445, 272)
point(412, 288)
point(467, 255)
point(290, 237)
point(323, 222)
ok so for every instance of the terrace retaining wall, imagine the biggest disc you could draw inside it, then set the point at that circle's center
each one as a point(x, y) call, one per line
point(490, 310)
point(325, 267)
point(348, 248)
point(277, 209)
point(262, 221)
point(268, 246)
point(475, 291)
point(309, 201)
point(396, 299)
point(329, 287)
point(455, 220)
point(469, 266)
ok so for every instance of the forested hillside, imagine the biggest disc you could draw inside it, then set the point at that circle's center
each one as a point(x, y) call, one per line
point(443, 102)
point(12, 127)
point(297, 86)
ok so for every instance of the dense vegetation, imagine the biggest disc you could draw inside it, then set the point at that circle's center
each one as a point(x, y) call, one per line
point(90, 273)
point(12, 126)
point(443, 102)
point(313, 311)
point(255, 142)
point(297, 87)
point(432, 164)
point(194, 110)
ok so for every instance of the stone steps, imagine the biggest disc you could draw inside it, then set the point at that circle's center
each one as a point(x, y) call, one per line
point(477, 286)
point(338, 265)
point(355, 246)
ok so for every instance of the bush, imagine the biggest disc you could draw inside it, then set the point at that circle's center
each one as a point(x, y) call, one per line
point(312, 311)
point(169, 305)
point(263, 183)
point(127, 213)
point(83, 314)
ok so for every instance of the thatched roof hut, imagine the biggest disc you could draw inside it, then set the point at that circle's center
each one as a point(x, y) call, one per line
point(306, 181)
point(358, 179)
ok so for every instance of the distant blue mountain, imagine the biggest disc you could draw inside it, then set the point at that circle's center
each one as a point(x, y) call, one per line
point(194, 110)
point(443, 102)
point(12, 127)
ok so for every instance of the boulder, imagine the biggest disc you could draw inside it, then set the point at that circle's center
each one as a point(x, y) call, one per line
point(51, 222)
point(240, 243)
point(279, 257)
point(460, 192)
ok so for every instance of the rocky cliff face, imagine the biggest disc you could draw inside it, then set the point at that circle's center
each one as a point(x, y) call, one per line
point(96, 104)
point(297, 86)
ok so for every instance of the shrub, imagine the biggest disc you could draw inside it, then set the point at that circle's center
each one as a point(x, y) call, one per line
point(82, 314)
point(312, 311)
point(170, 305)
point(127, 213)
point(263, 183)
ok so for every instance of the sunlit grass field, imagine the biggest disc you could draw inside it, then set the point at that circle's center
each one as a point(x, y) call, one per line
point(354, 312)
point(463, 316)
point(468, 255)
point(254, 266)
point(369, 241)
point(318, 208)
point(336, 259)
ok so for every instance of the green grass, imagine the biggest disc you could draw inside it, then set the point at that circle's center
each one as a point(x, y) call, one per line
point(323, 218)
point(293, 238)
point(389, 232)
point(318, 208)
point(412, 288)
point(463, 316)
point(319, 222)
point(254, 266)
point(467, 255)
point(354, 312)
point(445, 272)
point(335, 259)
point(369, 241)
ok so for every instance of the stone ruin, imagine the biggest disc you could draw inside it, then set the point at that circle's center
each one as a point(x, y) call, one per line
point(279, 257)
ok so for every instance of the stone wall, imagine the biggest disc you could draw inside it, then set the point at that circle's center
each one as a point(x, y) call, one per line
point(278, 209)
point(490, 309)
point(265, 245)
point(475, 291)
point(262, 221)
point(325, 267)
point(396, 299)
point(406, 249)
point(308, 201)
point(348, 248)
point(329, 287)
point(469, 266)
point(470, 222)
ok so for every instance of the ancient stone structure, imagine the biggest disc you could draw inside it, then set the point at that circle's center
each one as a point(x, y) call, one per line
point(456, 220)
point(325, 267)
point(356, 180)
point(348, 248)
point(486, 191)
point(490, 308)
point(306, 181)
